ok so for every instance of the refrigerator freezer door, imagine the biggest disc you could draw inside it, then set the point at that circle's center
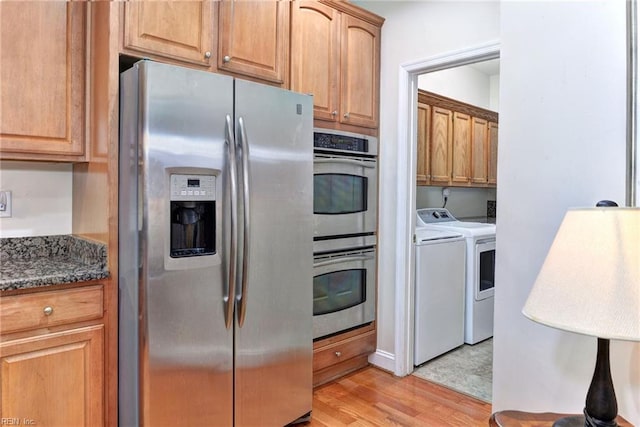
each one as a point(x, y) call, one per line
point(274, 345)
point(185, 349)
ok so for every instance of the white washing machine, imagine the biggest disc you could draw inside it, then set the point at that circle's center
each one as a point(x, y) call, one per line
point(439, 293)
point(480, 268)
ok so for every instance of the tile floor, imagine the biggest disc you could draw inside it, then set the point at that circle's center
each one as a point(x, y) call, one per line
point(467, 369)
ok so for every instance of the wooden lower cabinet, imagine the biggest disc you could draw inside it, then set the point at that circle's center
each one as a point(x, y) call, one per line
point(52, 357)
point(54, 379)
point(340, 354)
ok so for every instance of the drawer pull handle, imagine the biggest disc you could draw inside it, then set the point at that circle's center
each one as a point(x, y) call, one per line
point(338, 354)
point(48, 310)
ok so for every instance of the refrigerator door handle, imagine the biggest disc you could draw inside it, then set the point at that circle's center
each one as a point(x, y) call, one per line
point(229, 297)
point(244, 164)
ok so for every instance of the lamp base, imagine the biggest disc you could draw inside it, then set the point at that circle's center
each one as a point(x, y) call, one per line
point(583, 421)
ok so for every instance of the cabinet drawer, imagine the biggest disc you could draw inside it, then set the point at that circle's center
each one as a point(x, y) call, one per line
point(344, 350)
point(51, 308)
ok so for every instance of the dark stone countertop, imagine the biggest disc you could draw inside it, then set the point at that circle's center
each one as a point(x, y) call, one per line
point(30, 262)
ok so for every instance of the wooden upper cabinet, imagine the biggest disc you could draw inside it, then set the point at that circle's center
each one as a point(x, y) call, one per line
point(461, 143)
point(479, 132)
point(178, 30)
point(253, 39)
point(423, 167)
point(360, 82)
point(315, 55)
point(492, 153)
point(440, 144)
point(335, 56)
point(42, 74)
point(461, 148)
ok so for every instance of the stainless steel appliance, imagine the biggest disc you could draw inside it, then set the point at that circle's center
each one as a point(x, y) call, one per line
point(215, 258)
point(344, 289)
point(345, 184)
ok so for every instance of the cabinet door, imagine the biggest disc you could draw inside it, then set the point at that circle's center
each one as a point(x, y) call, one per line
point(479, 150)
point(493, 153)
point(54, 379)
point(360, 57)
point(254, 39)
point(440, 145)
point(42, 77)
point(315, 55)
point(180, 30)
point(424, 128)
point(461, 148)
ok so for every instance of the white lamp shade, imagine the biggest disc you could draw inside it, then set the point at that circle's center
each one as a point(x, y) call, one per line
point(590, 281)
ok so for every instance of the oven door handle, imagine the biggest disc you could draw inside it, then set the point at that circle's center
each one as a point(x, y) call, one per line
point(343, 259)
point(368, 165)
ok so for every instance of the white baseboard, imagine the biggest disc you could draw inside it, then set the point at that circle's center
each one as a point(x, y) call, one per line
point(383, 360)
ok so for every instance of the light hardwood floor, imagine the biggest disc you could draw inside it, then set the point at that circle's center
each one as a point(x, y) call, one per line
point(372, 397)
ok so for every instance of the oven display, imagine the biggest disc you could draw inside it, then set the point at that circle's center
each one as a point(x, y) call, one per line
point(339, 142)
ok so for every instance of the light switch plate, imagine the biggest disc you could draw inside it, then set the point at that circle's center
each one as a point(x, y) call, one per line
point(5, 204)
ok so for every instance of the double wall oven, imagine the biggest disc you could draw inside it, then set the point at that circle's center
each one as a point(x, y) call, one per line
point(345, 199)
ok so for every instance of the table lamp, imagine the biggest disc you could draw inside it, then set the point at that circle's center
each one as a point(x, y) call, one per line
point(590, 284)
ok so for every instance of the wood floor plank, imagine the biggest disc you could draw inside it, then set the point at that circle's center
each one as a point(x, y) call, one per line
point(372, 397)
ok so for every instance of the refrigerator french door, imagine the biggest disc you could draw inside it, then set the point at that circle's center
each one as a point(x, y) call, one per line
point(215, 250)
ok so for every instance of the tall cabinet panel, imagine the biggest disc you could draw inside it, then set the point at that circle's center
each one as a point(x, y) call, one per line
point(42, 100)
point(440, 145)
point(423, 168)
point(179, 30)
point(315, 55)
point(478, 150)
point(253, 39)
point(461, 148)
point(360, 72)
point(493, 153)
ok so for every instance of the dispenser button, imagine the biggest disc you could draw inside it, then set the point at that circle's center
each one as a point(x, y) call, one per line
point(203, 193)
point(190, 192)
point(183, 193)
point(196, 193)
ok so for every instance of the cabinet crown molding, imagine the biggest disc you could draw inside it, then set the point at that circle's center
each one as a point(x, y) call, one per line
point(356, 11)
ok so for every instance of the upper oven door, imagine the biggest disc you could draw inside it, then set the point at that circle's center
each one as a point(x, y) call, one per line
point(345, 195)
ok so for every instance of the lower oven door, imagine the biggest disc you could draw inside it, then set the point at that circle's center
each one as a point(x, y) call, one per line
point(485, 269)
point(343, 290)
point(345, 195)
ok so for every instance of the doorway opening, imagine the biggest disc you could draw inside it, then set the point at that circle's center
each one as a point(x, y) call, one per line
point(460, 352)
point(406, 189)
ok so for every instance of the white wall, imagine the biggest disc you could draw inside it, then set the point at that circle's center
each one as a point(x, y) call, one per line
point(41, 196)
point(412, 30)
point(562, 144)
point(460, 83)
point(462, 202)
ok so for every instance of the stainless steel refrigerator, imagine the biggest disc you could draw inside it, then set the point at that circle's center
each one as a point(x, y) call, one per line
point(215, 250)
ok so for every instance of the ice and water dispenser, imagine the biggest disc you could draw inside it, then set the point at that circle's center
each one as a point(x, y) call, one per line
point(193, 215)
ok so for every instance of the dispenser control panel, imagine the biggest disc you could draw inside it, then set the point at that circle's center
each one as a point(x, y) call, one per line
point(193, 187)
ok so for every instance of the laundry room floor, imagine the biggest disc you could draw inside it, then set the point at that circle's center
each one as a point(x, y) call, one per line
point(467, 369)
